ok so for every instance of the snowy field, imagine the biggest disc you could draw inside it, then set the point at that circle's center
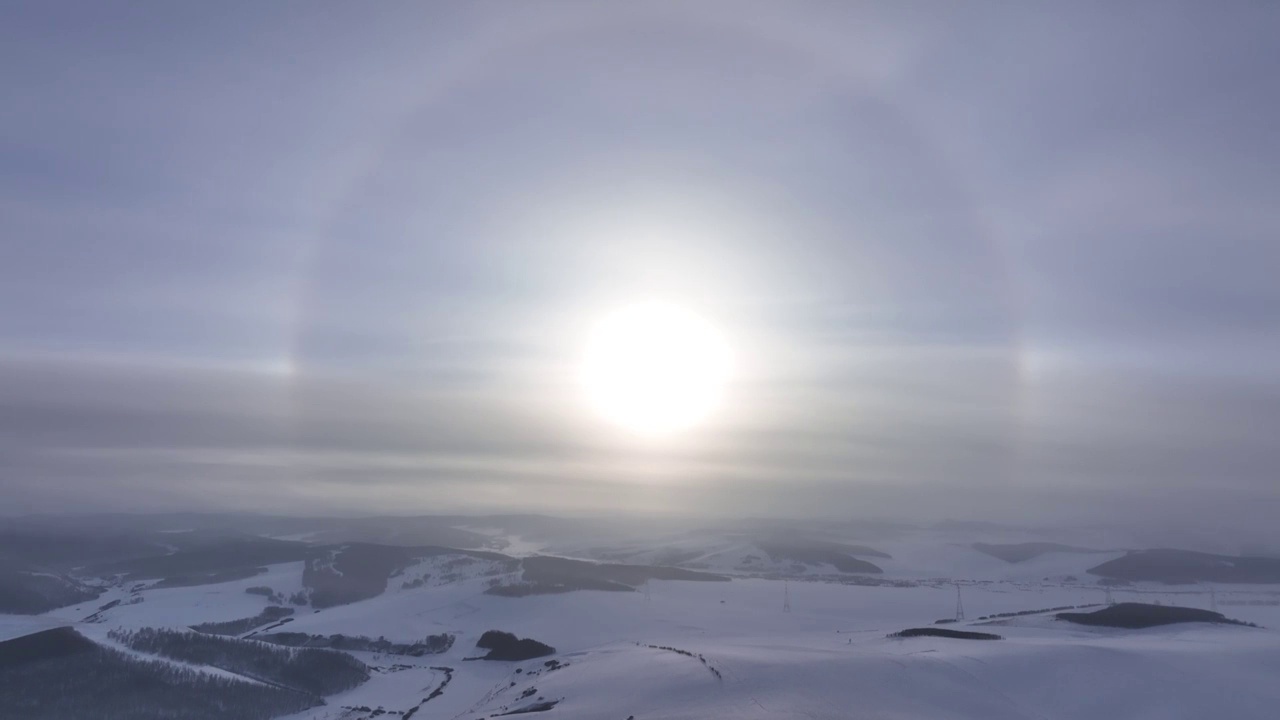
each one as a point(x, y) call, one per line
point(828, 657)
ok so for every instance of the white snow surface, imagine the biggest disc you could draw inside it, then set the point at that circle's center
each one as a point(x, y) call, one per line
point(828, 657)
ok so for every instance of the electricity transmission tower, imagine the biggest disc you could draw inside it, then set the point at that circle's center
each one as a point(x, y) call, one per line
point(1213, 598)
point(959, 604)
point(647, 597)
point(786, 596)
point(1110, 600)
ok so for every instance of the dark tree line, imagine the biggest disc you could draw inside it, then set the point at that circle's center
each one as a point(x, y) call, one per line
point(269, 614)
point(105, 684)
point(1020, 613)
point(430, 645)
point(944, 633)
point(266, 592)
point(320, 672)
point(686, 653)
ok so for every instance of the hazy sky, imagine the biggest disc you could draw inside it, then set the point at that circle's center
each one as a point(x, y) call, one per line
point(974, 259)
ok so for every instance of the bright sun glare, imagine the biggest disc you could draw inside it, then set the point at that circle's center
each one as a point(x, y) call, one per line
point(655, 368)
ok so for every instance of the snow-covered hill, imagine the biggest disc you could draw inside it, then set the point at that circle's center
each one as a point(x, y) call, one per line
point(732, 651)
point(649, 648)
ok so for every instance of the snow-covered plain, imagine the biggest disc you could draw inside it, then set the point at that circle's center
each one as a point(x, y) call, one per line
point(828, 657)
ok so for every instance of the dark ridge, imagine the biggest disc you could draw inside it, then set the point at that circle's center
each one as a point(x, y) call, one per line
point(944, 633)
point(1141, 615)
point(662, 557)
point(209, 578)
point(546, 575)
point(65, 548)
point(1019, 552)
point(350, 573)
point(222, 556)
point(43, 645)
point(414, 532)
point(1185, 566)
point(156, 531)
point(338, 575)
point(791, 538)
point(813, 552)
point(24, 591)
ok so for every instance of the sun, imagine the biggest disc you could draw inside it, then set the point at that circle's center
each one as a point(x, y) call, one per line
point(655, 368)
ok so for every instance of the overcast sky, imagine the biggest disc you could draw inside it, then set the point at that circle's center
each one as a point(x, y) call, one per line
point(981, 260)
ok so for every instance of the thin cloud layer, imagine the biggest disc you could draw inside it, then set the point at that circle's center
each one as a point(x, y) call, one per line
point(976, 261)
